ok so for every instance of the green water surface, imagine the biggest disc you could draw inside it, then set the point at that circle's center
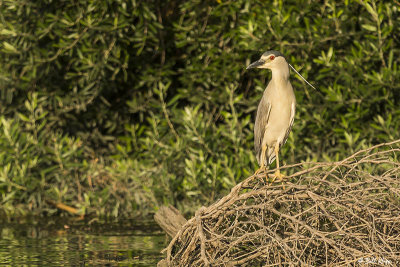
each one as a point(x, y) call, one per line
point(57, 242)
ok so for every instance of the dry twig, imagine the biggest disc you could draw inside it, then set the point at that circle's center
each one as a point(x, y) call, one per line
point(332, 214)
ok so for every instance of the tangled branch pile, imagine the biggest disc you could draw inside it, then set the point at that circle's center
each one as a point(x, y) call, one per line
point(336, 214)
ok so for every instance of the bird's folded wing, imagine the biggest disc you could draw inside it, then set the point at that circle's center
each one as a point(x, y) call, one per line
point(263, 112)
point(292, 113)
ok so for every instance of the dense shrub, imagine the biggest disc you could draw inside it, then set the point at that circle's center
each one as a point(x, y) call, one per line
point(118, 106)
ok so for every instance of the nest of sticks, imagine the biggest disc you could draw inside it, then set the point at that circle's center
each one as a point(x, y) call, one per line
point(335, 214)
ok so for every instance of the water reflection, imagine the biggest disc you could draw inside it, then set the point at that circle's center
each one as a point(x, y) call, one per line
point(56, 243)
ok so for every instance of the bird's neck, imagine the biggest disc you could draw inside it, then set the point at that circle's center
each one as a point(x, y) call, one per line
point(280, 75)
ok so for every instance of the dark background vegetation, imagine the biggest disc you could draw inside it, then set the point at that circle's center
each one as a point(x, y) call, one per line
point(117, 107)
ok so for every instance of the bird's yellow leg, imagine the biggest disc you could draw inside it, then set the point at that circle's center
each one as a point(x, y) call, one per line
point(262, 167)
point(278, 172)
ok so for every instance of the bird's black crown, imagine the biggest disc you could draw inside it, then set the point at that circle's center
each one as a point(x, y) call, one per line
point(273, 52)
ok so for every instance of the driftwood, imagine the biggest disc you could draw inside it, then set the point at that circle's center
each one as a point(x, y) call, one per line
point(170, 220)
point(332, 214)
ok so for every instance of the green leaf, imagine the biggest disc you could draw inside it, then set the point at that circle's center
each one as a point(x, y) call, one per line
point(369, 27)
point(10, 48)
point(23, 117)
point(7, 32)
point(371, 10)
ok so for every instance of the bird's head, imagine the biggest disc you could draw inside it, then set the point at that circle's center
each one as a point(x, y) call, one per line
point(270, 60)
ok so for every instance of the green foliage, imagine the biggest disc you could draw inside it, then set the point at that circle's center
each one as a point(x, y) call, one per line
point(118, 106)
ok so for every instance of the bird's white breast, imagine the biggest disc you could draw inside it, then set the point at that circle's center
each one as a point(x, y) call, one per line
point(282, 99)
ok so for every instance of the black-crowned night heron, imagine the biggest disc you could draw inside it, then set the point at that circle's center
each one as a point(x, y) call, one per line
point(275, 113)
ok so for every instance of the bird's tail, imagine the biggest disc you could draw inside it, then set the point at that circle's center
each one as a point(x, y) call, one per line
point(269, 156)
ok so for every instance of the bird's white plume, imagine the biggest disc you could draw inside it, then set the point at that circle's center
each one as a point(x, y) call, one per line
point(302, 76)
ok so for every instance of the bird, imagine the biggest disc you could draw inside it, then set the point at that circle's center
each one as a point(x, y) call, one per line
point(276, 111)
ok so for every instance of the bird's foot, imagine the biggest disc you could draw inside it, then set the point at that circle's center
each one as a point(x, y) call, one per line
point(261, 169)
point(278, 176)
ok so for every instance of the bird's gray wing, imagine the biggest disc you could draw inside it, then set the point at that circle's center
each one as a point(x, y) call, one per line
point(263, 112)
point(292, 113)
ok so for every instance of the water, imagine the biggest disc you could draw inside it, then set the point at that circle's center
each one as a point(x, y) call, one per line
point(53, 242)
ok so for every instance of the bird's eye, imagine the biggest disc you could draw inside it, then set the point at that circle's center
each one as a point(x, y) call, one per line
point(272, 57)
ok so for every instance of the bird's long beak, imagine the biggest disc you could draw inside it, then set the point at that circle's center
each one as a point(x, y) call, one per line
point(256, 64)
